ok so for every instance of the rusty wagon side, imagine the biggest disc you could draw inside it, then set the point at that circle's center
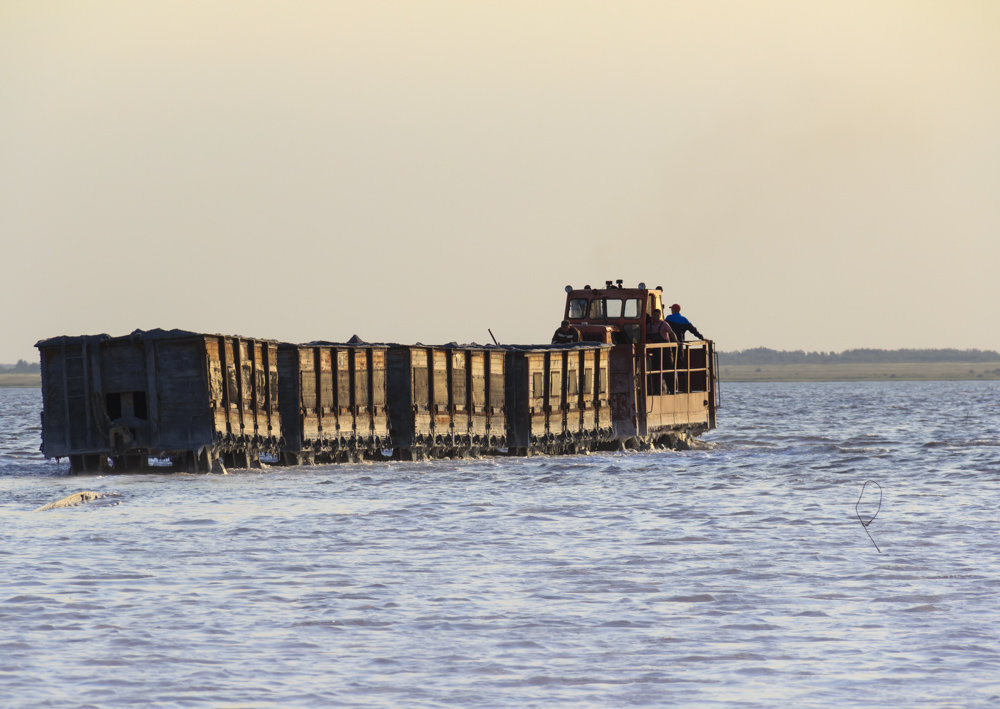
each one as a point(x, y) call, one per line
point(446, 401)
point(112, 403)
point(333, 402)
point(558, 398)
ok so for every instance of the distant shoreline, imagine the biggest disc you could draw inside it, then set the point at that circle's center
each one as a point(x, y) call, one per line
point(841, 372)
point(9, 380)
point(861, 371)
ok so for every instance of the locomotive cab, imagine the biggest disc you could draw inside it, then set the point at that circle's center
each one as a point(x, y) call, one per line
point(613, 314)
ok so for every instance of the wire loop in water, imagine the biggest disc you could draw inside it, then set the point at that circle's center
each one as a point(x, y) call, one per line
point(858, 512)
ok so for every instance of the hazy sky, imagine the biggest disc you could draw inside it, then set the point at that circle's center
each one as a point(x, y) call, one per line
point(798, 175)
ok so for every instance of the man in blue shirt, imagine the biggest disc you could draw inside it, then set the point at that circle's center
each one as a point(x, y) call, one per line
point(681, 324)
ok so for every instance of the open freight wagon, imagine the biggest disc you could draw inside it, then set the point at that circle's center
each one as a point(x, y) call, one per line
point(447, 401)
point(560, 398)
point(351, 401)
point(333, 402)
point(187, 399)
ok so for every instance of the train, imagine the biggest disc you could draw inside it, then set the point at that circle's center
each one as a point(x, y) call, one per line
point(197, 402)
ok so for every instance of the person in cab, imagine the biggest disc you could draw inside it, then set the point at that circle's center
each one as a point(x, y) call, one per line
point(566, 334)
point(659, 329)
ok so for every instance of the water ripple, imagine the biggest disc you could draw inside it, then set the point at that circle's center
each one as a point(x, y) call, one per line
point(732, 574)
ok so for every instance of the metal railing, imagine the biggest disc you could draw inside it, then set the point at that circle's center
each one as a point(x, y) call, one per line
point(671, 369)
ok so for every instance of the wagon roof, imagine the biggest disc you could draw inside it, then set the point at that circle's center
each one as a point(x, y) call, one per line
point(562, 346)
point(135, 335)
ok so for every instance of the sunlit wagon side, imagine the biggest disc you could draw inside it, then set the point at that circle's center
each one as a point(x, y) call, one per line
point(192, 399)
point(588, 413)
point(333, 402)
point(593, 369)
point(558, 398)
point(446, 400)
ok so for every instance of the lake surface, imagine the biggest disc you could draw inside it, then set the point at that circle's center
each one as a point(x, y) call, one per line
point(734, 575)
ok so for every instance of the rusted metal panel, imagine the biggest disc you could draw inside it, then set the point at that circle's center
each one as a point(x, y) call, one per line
point(423, 393)
point(293, 363)
point(250, 394)
point(406, 383)
point(496, 391)
point(154, 394)
point(458, 391)
point(231, 366)
point(334, 401)
point(555, 408)
point(216, 384)
point(517, 396)
point(369, 395)
point(361, 404)
point(602, 389)
point(418, 396)
point(624, 417)
point(379, 393)
point(478, 416)
point(588, 378)
point(68, 418)
point(439, 388)
point(574, 394)
point(537, 394)
point(543, 416)
point(438, 398)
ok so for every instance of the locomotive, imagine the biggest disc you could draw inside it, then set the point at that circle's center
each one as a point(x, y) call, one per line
point(661, 392)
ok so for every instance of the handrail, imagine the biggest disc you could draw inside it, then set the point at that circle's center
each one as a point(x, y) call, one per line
point(681, 368)
point(717, 381)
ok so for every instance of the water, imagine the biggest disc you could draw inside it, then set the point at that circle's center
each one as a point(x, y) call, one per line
point(734, 575)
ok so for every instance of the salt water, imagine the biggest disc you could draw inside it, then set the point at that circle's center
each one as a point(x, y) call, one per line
point(737, 574)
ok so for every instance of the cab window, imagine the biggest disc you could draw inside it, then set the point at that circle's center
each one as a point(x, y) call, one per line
point(632, 308)
point(596, 309)
point(577, 308)
point(614, 308)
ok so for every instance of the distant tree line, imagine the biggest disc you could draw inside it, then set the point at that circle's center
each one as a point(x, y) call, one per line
point(763, 355)
point(22, 367)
